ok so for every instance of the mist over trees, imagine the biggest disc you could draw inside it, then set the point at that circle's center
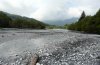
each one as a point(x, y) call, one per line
point(15, 21)
point(89, 24)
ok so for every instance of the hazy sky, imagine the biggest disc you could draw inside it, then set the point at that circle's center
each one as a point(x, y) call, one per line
point(50, 9)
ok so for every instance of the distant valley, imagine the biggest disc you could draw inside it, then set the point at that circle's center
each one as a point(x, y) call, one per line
point(62, 22)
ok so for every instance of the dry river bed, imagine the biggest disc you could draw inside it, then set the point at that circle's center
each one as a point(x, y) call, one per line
point(54, 47)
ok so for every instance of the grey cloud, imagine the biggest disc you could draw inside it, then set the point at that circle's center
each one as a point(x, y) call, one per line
point(50, 9)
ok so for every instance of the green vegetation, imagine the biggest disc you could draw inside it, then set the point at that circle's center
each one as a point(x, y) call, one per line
point(14, 21)
point(56, 27)
point(4, 20)
point(82, 16)
point(89, 24)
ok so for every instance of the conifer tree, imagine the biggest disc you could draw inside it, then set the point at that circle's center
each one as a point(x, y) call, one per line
point(98, 13)
point(82, 16)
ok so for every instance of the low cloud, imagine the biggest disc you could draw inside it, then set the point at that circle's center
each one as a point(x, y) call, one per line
point(50, 9)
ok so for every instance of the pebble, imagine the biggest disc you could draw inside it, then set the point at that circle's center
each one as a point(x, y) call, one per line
point(38, 64)
point(57, 39)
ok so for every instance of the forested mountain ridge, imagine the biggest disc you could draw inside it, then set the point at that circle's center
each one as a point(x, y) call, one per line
point(15, 21)
point(90, 24)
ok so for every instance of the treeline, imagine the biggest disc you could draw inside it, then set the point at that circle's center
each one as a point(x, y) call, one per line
point(15, 21)
point(89, 24)
point(56, 27)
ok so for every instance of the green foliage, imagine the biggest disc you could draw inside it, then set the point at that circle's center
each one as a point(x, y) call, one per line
point(4, 20)
point(55, 27)
point(90, 24)
point(65, 26)
point(15, 21)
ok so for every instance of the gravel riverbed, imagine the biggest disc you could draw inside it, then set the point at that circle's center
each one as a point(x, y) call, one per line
point(54, 47)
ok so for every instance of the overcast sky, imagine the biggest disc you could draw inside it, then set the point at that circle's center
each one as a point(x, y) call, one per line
point(50, 9)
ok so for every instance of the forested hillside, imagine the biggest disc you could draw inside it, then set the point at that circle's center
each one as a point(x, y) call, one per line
point(90, 24)
point(15, 21)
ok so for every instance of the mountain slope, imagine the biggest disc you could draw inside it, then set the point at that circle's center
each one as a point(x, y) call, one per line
point(22, 22)
point(62, 22)
point(4, 20)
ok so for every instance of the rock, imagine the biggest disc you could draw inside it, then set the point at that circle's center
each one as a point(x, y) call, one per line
point(38, 64)
point(98, 57)
point(2, 35)
point(13, 34)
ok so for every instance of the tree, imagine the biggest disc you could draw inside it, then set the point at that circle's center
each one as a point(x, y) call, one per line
point(4, 20)
point(98, 13)
point(90, 24)
point(82, 16)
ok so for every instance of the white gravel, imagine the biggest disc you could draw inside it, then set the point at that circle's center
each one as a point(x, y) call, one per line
point(54, 47)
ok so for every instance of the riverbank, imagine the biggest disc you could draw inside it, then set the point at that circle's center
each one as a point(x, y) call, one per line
point(54, 47)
